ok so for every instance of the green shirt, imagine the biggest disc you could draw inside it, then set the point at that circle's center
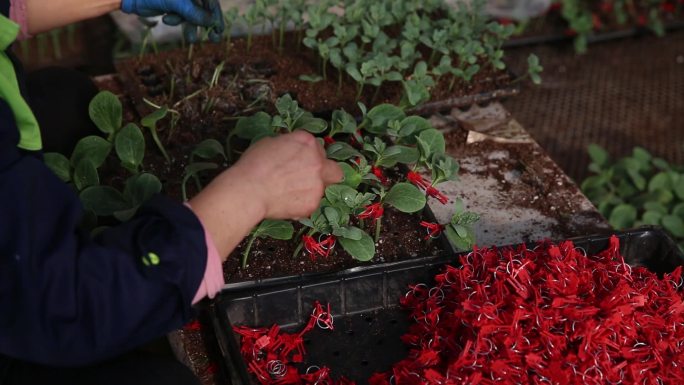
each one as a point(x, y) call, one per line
point(29, 132)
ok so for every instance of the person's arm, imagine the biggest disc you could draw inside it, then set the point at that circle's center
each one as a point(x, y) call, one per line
point(68, 299)
point(281, 178)
point(44, 15)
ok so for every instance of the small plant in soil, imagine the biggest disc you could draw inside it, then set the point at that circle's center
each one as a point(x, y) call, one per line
point(398, 51)
point(637, 190)
point(93, 152)
point(383, 158)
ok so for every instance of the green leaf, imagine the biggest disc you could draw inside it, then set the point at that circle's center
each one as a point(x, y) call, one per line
point(59, 165)
point(130, 146)
point(127, 214)
point(623, 216)
point(655, 206)
point(674, 224)
point(362, 250)
point(275, 229)
point(341, 151)
point(597, 154)
point(660, 181)
point(349, 232)
point(642, 155)
point(85, 175)
point(208, 149)
point(678, 210)
point(459, 242)
point(257, 125)
point(405, 197)
point(106, 112)
point(311, 124)
point(679, 189)
point(411, 126)
point(343, 122)
point(381, 115)
point(313, 78)
point(432, 142)
point(638, 180)
point(398, 154)
point(341, 196)
point(103, 200)
point(652, 218)
point(93, 148)
point(141, 188)
point(332, 215)
point(351, 177)
point(151, 120)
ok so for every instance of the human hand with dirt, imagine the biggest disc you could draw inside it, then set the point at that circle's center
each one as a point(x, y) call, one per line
point(191, 13)
point(276, 178)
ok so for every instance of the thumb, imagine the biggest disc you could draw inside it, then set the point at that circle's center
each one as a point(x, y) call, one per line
point(331, 173)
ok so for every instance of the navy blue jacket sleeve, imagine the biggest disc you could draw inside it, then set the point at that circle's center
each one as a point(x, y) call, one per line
point(67, 299)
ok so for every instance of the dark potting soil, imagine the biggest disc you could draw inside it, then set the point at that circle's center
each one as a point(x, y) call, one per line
point(252, 79)
point(543, 185)
point(402, 238)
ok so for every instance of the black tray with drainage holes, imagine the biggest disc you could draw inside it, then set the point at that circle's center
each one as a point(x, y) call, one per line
point(365, 304)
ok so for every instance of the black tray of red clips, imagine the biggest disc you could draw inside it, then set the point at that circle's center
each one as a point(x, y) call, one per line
point(365, 304)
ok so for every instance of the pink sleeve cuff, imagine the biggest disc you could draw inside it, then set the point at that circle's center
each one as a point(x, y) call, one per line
point(18, 15)
point(213, 280)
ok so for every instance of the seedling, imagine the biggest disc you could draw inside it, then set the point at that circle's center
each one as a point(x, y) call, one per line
point(275, 229)
point(459, 230)
point(108, 201)
point(150, 121)
point(637, 190)
point(191, 171)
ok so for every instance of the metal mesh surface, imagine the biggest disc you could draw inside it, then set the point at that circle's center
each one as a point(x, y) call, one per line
point(619, 95)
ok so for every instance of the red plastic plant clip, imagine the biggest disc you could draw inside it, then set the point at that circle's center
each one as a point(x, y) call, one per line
point(433, 192)
point(433, 229)
point(328, 140)
point(377, 171)
point(417, 180)
point(318, 248)
point(373, 212)
point(194, 325)
point(323, 318)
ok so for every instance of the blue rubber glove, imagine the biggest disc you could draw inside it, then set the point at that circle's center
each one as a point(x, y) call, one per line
point(207, 14)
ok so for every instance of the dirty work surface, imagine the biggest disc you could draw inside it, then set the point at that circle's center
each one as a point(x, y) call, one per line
point(519, 192)
point(620, 94)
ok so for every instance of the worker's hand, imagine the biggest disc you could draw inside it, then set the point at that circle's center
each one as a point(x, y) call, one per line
point(194, 13)
point(288, 174)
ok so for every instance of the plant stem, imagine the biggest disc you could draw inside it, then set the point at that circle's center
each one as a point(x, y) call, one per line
point(56, 46)
point(452, 82)
point(25, 46)
point(378, 227)
point(155, 137)
point(359, 91)
point(249, 39)
point(190, 51)
point(433, 56)
point(172, 88)
point(298, 249)
point(41, 46)
point(71, 34)
point(282, 34)
point(248, 248)
point(375, 95)
point(325, 65)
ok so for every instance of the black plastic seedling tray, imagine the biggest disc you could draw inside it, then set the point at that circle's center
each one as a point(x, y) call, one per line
point(365, 303)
